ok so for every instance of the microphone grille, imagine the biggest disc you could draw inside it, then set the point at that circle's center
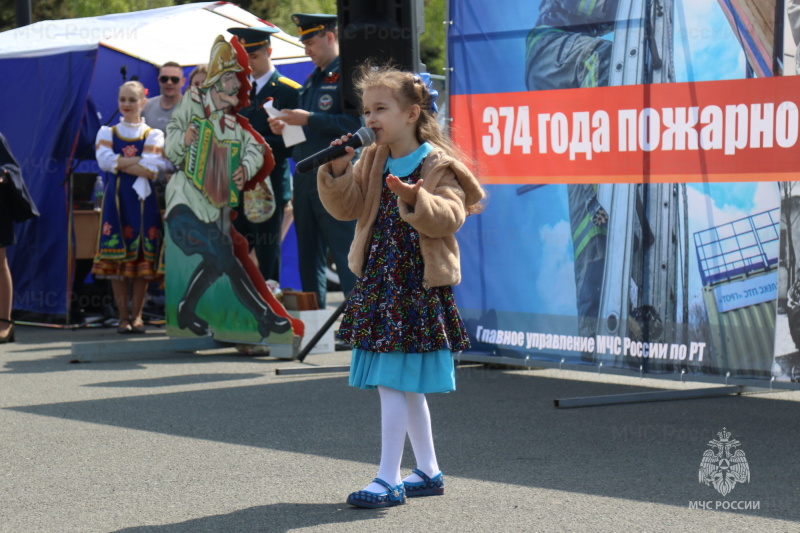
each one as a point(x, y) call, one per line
point(366, 135)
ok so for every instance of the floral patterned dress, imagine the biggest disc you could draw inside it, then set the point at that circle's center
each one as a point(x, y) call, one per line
point(131, 230)
point(403, 333)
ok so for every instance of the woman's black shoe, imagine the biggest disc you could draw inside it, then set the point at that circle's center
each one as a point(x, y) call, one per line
point(10, 336)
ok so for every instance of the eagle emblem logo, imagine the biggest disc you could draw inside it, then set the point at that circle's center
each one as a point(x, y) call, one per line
point(722, 466)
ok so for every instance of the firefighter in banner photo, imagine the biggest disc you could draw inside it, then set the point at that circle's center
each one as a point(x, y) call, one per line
point(216, 156)
point(565, 48)
point(589, 226)
point(565, 51)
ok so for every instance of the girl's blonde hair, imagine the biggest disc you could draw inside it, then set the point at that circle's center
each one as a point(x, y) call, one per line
point(136, 87)
point(409, 90)
point(199, 69)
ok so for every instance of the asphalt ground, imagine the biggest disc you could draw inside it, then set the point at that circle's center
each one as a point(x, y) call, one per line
point(219, 442)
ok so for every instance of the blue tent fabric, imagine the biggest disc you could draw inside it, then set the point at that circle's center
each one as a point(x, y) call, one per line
point(65, 76)
point(51, 115)
point(84, 147)
point(107, 78)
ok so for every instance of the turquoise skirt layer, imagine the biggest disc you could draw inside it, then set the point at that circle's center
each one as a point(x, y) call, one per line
point(410, 372)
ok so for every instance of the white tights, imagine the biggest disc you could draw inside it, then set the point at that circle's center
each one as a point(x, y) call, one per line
point(401, 413)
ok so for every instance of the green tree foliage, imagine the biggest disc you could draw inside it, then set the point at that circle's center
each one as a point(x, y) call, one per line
point(69, 9)
point(6, 16)
point(51, 10)
point(40, 10)
point(93, 8)
point(432, 41)
point(280, 13)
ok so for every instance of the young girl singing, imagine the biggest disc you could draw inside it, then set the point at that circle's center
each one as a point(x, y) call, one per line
point(131, 228)
point(410, 194)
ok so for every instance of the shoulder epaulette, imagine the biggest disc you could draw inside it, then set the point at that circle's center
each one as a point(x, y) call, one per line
point(290, 82)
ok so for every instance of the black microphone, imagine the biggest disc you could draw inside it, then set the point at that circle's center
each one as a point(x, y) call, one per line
point(363, 137)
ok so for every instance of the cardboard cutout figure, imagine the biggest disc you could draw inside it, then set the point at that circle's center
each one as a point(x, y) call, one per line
point(212, 286)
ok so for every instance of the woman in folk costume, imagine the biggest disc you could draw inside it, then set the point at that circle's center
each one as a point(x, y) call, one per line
point(131, 229)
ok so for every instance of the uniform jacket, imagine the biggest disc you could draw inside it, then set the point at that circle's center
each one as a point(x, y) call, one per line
point(284, 93)
point(441, 208)
point(328, 121)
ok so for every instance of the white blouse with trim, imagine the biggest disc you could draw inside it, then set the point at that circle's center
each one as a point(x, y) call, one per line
point(152, 158)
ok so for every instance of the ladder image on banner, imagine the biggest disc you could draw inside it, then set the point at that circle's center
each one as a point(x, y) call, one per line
point(738, 263)
point(643, 49)
point(640, 282)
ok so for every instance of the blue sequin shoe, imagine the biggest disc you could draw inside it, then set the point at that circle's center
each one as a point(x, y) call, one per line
point(374, 500)
point(426, 487)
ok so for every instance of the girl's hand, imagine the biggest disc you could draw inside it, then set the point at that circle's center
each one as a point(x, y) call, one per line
point(406, 192)
point(339, 165)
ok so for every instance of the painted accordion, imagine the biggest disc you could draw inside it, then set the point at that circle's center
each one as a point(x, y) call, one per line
point(210, 164)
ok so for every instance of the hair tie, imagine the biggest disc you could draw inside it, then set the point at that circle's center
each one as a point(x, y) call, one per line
point(425, 79)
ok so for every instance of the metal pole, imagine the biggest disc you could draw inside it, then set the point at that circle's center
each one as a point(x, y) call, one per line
point(22, 12)
point(654, 396)
point(325, 327)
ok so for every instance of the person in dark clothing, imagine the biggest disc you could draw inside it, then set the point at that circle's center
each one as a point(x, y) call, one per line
point(16, 205)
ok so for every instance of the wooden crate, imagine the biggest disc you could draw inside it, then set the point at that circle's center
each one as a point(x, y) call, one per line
point(87, 231)
point(300, 301)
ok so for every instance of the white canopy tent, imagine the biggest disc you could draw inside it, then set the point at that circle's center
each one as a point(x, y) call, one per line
point(183, 34)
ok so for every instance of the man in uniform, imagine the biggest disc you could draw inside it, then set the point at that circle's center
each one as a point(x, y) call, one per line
point(198, 207)
point(323, 120)
point(268, 83)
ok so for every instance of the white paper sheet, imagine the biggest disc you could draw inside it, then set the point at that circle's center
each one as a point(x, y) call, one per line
point(291, 134)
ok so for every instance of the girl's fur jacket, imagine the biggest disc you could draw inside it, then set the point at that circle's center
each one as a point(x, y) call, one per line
point(448, 191)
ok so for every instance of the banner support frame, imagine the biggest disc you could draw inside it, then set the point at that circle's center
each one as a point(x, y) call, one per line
point(656, 396)
point(767, 384)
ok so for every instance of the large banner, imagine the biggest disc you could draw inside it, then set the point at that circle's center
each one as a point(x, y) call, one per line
point(641, 159)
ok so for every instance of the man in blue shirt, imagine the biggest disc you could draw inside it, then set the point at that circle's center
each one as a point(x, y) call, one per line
point(323, 119)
